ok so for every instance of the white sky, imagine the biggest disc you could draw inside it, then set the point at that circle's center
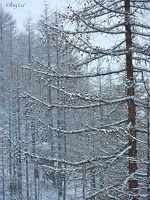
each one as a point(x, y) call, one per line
point(22, 8)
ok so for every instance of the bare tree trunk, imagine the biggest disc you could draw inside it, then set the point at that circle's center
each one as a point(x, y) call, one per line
point(34, 153)
point(10, 136)
point(3, 168)
point(133, 183)
point(65, 150)
point(148, 151)
point(19, 163)
point(28, 26)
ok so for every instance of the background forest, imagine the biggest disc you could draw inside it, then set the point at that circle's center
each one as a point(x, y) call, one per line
point(74, 103)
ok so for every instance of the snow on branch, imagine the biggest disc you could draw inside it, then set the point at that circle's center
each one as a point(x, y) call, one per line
point(106, 128)
point(88, 75)
point(58, 105)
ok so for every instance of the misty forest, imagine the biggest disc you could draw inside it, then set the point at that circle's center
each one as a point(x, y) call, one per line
point(75, 102)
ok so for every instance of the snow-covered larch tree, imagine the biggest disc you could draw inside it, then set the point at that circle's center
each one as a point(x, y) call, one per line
point(117, 34)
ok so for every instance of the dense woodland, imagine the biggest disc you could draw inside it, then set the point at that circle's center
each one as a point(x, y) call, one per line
point(74, 99)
